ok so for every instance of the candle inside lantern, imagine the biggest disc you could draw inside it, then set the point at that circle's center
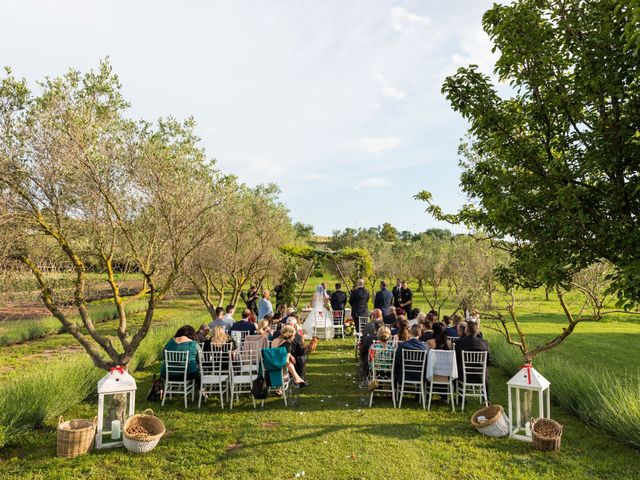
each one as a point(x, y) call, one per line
point(115, 430)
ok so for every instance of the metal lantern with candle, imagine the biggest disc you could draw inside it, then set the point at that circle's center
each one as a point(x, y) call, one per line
point(524, 386)
point(116, 402)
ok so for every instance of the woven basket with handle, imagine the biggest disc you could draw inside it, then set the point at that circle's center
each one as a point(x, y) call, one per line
point(546, 434)
point(495, 423)
point(147, 422)
point(75, 437)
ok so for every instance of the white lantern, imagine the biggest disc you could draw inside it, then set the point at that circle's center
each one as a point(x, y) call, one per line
point(524, 387)
point(116, 402)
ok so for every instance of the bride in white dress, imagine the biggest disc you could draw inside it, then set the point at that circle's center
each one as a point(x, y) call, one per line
point(319, 316)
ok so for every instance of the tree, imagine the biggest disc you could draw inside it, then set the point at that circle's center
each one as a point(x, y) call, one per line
point(82, 183)
point(252, 225)
point(303, 231)
point(388, 232)
point(554, 167)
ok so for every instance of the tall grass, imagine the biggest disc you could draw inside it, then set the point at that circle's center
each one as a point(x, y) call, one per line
point(18, 331)
point(36, 395)
point(600, 398)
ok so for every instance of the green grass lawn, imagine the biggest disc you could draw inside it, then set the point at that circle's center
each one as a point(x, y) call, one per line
point(330, 432)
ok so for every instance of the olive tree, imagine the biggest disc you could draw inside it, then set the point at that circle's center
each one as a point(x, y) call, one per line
point(99, 189)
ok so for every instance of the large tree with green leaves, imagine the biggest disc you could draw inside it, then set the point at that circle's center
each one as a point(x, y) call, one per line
point(83, 184)
point(554, 166)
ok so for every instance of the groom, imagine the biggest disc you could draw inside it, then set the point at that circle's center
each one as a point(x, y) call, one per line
point(359, 301)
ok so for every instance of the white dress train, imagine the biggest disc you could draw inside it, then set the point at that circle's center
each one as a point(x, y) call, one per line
point(319, 316)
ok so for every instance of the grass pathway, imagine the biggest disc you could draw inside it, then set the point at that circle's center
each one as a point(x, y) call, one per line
point(328, 433)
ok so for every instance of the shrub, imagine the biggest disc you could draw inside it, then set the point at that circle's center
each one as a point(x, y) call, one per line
point(609, 403)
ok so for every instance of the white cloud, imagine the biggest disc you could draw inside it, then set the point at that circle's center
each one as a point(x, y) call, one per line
point(312, 176)
point(404, 21)
point(374, 145)
point(393, 92)
point(372, 182)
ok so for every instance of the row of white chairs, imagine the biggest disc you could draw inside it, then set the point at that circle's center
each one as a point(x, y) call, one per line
point(222, 371)
point(431, 370)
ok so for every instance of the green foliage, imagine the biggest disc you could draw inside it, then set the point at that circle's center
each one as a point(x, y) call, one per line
point(554, 167)
point(289, 278)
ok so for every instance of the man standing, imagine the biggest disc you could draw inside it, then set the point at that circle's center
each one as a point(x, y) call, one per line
point(251, 300)
point(338, 299)
point(406, 299)
point(264, 305)
point(396, 293)
point(383, 299)
point(359, 301)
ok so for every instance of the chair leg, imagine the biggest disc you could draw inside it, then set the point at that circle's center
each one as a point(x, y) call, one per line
point(430, 396)
point(370, 399)
point(393, 395)
point(231, 398)
point(193, 390)
point(401, 395)
point(164, 393)
point(200, 394)
point(453, 405)
point(464, 394)
point(186, 395)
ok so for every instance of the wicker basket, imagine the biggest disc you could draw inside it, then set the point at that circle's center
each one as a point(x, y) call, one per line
point(544, 442)
point(75, 437)
point(496, 423)
point(151, 424)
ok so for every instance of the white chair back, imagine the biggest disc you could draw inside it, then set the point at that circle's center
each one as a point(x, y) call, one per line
point(474, 365)
point(238, 336)
point(442, 363)
point(362, 321)
point(413, 365)
point(176, 364)
point(213, 362)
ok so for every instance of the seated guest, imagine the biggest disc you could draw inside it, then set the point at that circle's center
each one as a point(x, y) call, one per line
point(287, 339)
point(264, 329)
point(415, 312)
point(439, 340)
point(369, 328)
point(365, 344)
point(413, 343)
point(222, 320)
point(427, 329)
point(470, 343)
point(244, 325)
point(183, 341)
point(281, 310)
point(462, 329)
point(383, 347)
point(219, 340)
point(391, 318)
point(403, 333)
point(218, 316)
point(448, 327)
point(275, 321)
point(203, 333)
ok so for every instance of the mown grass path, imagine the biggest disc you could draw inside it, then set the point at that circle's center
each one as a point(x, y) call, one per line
point(328, 433)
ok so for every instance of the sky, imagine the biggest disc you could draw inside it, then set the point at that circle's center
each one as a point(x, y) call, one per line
point(338, 102)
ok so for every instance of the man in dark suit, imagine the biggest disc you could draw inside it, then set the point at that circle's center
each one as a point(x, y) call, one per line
point(406, 300)
point(383, 299)
point(396, 293)
point(471, 342)
point(412, 344)
point(338, 299)
point(244, 325)
point(359, 301)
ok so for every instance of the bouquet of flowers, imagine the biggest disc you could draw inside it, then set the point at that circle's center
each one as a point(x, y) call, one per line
point(349, 327)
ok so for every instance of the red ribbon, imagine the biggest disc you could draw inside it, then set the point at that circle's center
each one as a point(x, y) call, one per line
point(528, 367)
point(118, 369)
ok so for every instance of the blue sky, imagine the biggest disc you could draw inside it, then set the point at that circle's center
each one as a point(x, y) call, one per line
point(336, 101)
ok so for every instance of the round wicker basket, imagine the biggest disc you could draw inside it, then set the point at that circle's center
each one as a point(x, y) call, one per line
point(495, 423)
point(546, 434)
point(142, 432)
point(75, 437)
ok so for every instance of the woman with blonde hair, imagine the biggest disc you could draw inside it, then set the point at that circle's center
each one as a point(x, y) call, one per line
point(382, 349)
point(286, 338)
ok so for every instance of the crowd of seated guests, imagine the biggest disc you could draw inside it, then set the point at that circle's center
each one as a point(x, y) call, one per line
point(425, 333)
point(280, 329)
